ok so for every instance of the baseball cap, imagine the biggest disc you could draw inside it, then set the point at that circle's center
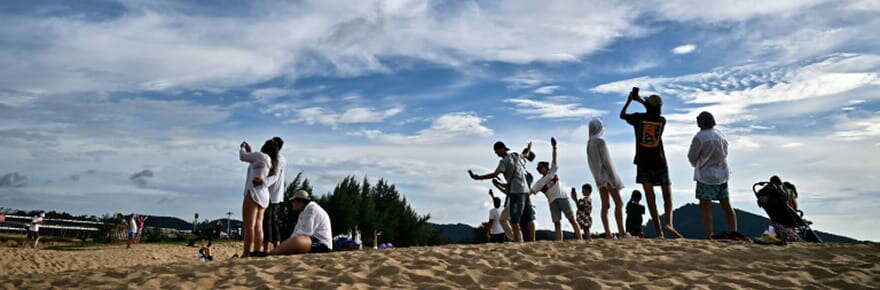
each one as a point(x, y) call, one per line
point(500, 145)
point(301, 194)
point(654, 101)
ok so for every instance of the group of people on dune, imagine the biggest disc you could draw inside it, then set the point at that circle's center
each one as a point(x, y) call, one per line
point(707, 154)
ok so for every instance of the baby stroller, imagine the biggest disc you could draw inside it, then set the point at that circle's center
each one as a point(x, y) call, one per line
point(790, 225)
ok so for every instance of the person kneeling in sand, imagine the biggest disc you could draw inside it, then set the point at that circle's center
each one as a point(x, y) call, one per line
point(313, 231)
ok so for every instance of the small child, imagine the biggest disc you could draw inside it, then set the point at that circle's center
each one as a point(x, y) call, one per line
point(584, 209)
point(634, 213)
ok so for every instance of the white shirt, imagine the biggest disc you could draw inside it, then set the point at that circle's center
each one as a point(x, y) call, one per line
point(314, 222)
point(708, 156)
point(132, 225)
point(259, 167)
point(551, 180)
point(599, 160)
point(35, 224)
point(495, 216)
point(276, 182)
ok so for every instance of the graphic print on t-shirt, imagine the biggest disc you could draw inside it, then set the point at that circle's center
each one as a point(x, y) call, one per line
point(650, 134)
point(550, 184)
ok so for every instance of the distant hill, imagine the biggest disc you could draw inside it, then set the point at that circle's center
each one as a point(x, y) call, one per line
point(689, 223)
point(168, 222)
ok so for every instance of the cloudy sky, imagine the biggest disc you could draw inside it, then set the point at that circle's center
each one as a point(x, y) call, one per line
point(121, 106)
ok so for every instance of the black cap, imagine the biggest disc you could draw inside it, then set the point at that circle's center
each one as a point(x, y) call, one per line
point(500, 145)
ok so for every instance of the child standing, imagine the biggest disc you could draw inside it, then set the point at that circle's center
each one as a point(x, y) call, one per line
point(634, 213)
point(584, 209)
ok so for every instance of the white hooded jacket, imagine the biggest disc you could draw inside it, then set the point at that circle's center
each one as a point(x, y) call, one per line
point(599, 159)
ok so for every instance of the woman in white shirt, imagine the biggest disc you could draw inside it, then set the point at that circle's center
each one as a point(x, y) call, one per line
point(606, 177)
point(256, 193)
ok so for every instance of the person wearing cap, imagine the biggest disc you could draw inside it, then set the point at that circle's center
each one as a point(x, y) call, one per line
point(313, 233)
point(650, 159)
point(511, 166)
point(708, 156)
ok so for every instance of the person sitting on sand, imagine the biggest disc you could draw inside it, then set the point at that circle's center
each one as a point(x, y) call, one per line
point(650, 159)
point(634, 213)
point(313, 232)
point(34, 229)
point(584, 209)
point(256, 193)
point(511, 167)
point(205, 253)
point(708, 156)
point(558, 202)
point(132, 230)
point(607, 180)
point(495, 233)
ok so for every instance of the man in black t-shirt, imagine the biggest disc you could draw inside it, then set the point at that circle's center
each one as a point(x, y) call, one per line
point(650, 160)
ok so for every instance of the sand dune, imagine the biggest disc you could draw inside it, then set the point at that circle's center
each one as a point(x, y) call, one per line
point(598, 264)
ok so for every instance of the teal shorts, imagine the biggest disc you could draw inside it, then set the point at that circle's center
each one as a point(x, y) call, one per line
point(712, 192)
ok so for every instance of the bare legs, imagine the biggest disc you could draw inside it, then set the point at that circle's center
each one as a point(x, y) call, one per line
point(294, 245)
point(576, 227)
point(667, 206)
point(558, 226)
point(604, 193)
point(706, 211)
point(730, 214)
point(530, 226)
point(252, 214)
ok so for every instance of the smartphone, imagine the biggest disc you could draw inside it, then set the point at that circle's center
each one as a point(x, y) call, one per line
point(635, 91)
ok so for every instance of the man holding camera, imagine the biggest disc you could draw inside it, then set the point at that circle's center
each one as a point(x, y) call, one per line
point(650, 159)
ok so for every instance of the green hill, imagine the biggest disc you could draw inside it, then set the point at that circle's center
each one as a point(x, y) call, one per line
point(688, 221)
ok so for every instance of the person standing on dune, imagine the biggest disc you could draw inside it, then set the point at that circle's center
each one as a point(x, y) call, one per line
point(275, 182)
point(607, 180)
point(558, 202)
point(650, 160)
point(708, 156)
point(517, 190)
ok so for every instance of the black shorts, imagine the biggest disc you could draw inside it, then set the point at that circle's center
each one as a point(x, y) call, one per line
point(271, 230)
point(499, 238)
point(32, 235)
point(654, 175)
point(318, 247)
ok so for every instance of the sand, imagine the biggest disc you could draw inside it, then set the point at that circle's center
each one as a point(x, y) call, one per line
point(597, 264)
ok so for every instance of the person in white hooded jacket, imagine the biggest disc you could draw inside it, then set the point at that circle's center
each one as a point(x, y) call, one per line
point(605, 175)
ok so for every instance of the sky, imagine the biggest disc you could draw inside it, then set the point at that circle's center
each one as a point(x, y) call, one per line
point(139, 106)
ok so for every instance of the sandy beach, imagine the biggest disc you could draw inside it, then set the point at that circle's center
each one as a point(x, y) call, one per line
point(598, 264)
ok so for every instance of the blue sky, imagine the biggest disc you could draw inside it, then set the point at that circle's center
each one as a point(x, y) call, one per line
point(139, 106)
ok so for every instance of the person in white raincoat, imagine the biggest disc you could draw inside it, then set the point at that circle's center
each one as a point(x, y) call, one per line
point(605, 175)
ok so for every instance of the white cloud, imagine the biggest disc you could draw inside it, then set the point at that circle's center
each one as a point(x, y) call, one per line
point(734, 93)
point(548, 109)
point(546, 90)
point(322, 116)
point(855, 130)
point(446, 128)
point(726, 10)
point(684, 49)
point(155, 46)
point(526, 79)
point(266, 95)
